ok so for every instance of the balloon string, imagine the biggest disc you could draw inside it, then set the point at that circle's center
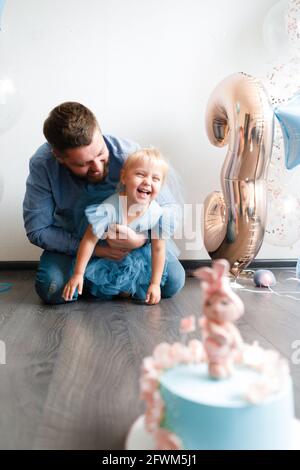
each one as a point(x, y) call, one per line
point(235, 285)
point(272, 291)
point(279, 294)
point(293, 279)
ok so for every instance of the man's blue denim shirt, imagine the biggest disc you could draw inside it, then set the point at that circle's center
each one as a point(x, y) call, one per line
point(55, 199)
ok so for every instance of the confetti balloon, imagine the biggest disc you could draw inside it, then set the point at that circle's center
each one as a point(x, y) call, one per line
point(281, 29)
point(283, 219)
point(282, 38)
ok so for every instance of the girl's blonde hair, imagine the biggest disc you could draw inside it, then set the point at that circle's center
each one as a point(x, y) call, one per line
point(146, 154)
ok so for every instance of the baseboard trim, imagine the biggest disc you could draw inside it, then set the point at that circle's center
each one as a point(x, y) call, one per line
point(18, 265)
point(256, 264)
point(188, 264)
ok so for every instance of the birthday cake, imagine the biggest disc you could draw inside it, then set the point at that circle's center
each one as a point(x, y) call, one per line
point(218, 393)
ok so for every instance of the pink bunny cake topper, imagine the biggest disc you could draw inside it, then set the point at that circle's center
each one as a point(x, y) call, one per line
point(221, 307)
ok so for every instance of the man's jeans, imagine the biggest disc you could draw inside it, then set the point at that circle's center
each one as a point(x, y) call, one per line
point(55, 269)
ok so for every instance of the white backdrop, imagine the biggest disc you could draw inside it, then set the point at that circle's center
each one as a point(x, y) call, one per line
point(146, 69)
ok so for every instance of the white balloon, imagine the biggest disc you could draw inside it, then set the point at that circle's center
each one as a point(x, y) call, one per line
point(10, 104)
point(274, 33)
point(1, 187)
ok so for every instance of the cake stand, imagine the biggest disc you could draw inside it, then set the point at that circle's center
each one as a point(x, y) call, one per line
point(139, 438)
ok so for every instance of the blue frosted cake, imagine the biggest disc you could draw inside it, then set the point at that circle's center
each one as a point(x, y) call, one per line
point(188, 409)
point(215, 415)
point(220, 393)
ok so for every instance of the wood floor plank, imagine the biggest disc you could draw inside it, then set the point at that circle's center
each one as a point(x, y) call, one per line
point(94, 384)
point(277, 319)
point(21, 284)
point(32, 337)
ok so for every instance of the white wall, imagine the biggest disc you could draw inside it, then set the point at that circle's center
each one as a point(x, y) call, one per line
point(145, 67)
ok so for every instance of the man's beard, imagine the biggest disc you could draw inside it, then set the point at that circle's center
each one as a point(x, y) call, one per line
point(98, 178)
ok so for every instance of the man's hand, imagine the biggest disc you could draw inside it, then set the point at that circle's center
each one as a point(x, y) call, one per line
point(115, 254)
point(75, 281)
point(123, 237)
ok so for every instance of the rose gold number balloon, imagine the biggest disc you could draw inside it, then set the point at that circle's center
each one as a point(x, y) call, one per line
point(239, 114)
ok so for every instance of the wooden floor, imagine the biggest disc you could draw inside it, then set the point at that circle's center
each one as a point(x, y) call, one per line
point(71, 374)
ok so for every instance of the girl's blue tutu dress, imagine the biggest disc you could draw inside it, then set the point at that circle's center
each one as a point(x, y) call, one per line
point(107, 278)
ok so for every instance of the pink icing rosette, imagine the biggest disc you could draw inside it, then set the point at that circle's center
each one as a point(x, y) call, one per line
point(188, 324)
point(166, 440)
point(164, 357)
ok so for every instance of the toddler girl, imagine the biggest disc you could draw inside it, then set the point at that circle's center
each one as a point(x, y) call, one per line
point(142, 272)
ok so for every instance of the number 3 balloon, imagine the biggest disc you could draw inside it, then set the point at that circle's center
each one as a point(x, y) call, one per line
point(239, 114)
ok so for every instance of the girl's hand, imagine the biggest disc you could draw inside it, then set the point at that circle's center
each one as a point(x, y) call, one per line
point(75, 281)
point(153, 294)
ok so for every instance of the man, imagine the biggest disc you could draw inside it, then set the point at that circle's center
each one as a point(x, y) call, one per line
point(77, 167)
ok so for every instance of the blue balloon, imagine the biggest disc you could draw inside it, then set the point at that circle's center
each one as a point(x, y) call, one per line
point(288, 115)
